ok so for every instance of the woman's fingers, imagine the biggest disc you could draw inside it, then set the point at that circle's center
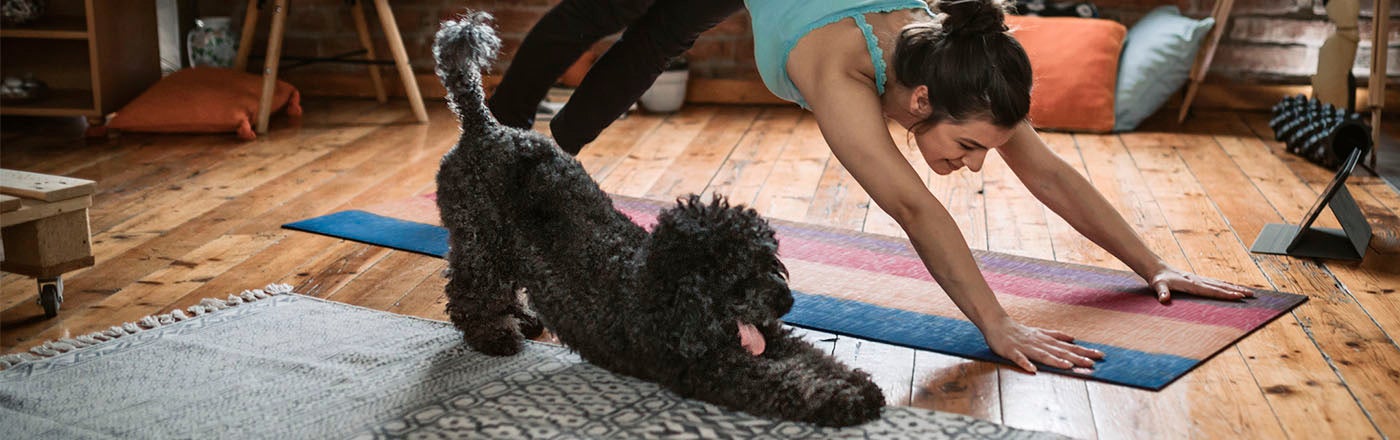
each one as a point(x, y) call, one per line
point(1245, 291)
point(1058, 335)
point(1082, 351)
point(1209, 289)
point(1044, 356)
point(1021, 361)
point(1076, 359)
point(1200, 286)
point(1164, 294)
point(1064, 343)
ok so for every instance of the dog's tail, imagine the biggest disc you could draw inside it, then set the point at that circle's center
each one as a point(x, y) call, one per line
point(463, 47)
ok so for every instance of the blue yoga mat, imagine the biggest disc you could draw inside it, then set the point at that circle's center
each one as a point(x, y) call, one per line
point(430, 240)
point(956, 337)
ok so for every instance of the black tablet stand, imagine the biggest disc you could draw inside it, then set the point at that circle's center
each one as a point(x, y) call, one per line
point(1304, 240)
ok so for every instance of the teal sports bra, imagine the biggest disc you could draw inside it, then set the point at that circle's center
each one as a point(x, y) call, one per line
point(778, 24)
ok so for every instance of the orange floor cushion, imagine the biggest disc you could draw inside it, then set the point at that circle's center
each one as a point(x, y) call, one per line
point(1075, 63)
point(203, 100)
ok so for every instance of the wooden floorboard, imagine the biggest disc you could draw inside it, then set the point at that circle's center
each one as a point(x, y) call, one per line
point(180, 218)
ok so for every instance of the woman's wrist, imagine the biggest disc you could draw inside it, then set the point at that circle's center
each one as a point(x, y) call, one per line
point(994, 321)
point(1150, 269)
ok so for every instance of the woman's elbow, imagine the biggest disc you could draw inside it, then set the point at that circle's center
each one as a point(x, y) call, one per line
point(912, 212)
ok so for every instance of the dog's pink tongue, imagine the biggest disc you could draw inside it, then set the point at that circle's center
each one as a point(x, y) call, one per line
point(751, 339)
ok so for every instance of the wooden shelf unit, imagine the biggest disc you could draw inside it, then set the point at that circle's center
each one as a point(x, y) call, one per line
point(95, 56)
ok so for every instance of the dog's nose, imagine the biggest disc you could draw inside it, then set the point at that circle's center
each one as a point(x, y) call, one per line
point(784, 304)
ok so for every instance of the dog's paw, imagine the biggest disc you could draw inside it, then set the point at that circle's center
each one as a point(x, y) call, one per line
point(501, 338)
point(499, 346)
point(530, 325)
point(853, 402)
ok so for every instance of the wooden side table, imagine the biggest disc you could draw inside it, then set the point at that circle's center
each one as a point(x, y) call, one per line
point(44, 227)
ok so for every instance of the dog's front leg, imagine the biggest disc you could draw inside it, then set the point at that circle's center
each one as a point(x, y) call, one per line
point(792, 380)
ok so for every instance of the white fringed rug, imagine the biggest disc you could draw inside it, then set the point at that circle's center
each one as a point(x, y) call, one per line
point(272, 364)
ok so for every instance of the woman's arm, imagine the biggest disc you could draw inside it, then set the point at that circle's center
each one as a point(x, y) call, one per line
point(1061, 188)
point(848, 112)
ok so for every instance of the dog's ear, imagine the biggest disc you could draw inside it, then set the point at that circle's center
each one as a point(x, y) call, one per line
point(697, 256)
point(688, 321)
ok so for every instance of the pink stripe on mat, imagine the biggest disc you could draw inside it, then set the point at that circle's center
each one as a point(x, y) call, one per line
point(1117, 300)
point(1124, 300)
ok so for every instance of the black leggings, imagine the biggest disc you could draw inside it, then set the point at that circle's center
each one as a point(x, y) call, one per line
point(657, 30)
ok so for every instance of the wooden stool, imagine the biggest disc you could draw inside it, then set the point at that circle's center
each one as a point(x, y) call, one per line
point(44, 228)
point(274, 54)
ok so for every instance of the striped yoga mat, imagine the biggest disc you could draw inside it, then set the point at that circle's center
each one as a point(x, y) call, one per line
point(875, 287)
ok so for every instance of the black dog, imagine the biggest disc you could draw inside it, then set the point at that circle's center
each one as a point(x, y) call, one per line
point(693, 306)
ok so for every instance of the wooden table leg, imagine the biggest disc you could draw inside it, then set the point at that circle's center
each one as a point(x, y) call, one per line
point(357, 10)
point(274, 54)
point(1376, 89)
point(410, 82)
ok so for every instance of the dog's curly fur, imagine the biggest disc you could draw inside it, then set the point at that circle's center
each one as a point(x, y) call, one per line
point(663, 307)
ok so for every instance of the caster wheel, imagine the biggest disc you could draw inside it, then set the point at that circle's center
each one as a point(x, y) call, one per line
point(50, 296)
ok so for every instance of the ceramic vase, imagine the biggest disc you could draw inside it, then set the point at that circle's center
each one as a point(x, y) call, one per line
point(667, 94)
point(212, 42)
point(21, 11)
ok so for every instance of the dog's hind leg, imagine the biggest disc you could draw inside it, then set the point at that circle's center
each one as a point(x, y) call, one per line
point(530, 324)
point(481, 294)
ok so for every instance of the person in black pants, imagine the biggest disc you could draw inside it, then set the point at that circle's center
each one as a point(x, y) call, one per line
point(656, 31)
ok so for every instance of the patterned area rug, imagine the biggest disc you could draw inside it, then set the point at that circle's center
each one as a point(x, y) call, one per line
point(271, 364)
point(875, 287)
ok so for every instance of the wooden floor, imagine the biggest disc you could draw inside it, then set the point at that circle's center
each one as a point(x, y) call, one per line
point(179, 218)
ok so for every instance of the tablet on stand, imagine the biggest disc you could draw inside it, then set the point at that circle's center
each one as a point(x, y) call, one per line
point(1304, 240)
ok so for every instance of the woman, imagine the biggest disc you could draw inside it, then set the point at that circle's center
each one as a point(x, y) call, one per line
point(960, 83)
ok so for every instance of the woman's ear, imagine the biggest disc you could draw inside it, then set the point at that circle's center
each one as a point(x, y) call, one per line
point(919, 105)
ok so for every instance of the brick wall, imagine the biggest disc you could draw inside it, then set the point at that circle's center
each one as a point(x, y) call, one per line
point(1271, 41)
point(1267, 41)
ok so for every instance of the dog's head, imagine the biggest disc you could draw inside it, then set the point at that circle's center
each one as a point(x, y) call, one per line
point(715, 271)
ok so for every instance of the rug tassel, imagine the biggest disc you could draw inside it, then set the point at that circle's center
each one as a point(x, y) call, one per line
point(208, 305)
point(149, 322)
point(11, 360)
point(44, 350)
point(115, 332)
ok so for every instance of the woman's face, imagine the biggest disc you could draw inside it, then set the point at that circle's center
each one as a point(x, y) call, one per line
point(948, 146)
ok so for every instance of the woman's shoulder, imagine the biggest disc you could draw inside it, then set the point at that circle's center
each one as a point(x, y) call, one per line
point(835, 49)
point(840, 48)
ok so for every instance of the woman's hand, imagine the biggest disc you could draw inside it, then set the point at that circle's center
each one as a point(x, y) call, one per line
point(1023, 344)
point(1169, 279)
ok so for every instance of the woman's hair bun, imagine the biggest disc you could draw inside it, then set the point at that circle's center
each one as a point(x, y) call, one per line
point(966, 18)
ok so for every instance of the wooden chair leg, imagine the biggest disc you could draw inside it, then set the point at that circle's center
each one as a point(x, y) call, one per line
point(1380, 37)
point(245, 39)
point(357, 10)
point(1203, 59)
point(1191, 89)
point(274, 54)
point(410, 82)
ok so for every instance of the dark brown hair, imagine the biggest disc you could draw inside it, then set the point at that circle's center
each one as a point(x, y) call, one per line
point(971, 65)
